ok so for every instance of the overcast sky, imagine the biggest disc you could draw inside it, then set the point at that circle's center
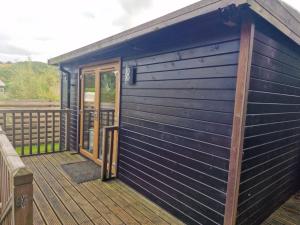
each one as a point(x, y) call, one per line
point(41, 29)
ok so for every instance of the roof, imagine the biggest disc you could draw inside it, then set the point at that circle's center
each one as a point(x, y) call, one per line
point(2, 84)
point(279, 14)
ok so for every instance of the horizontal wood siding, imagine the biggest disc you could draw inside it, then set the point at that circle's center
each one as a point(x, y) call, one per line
point(175, 130)
point(270, 166)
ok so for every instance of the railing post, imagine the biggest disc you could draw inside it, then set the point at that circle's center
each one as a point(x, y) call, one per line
point(104, 154)
point(109, 150)
point(23, 197)
point(16, 186)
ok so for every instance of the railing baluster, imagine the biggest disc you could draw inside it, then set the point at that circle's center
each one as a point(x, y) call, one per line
point(46, 132)
point(4, 122)
point(22, 134)
point(104, 155)
point(108, 152)
point(60, 131)
point(68, 121)
point(38, 132)
point(14, 129)
point(111, 148)
point(53, 132)
point(30, 133)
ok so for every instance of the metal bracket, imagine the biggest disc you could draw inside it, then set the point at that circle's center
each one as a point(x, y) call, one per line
point(21, 201)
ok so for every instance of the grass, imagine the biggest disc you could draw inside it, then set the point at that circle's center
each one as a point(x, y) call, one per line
point(35, 149)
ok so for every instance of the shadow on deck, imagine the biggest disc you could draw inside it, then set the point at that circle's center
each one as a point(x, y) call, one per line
point(58, 200)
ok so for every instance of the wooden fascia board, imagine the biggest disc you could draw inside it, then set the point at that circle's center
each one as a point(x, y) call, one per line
point(239, 118)
point(272, 19)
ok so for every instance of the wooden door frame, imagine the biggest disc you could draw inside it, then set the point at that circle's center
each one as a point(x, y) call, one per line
point(98, 67)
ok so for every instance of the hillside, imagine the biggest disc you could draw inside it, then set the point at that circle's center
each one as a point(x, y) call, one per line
point(30, 80)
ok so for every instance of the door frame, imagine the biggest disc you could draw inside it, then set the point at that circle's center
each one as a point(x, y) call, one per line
point(98, 67)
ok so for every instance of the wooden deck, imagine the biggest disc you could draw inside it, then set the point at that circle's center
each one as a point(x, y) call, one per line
point(59, 201)
point(287, 214)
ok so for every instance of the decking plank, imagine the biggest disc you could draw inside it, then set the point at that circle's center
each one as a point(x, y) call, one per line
point(45, 209)
point(56, 204)
point(120, 199)
point(59, 201)
point(287, 214)
point(138, 199)
point(103, 209)
point(37, 218)
point(127, 207)
point(155, 213)
point(100, 198)
point(65, 198)
point(87, 204)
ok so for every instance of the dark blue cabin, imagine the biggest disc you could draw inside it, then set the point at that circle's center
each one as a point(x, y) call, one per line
point(204, 105)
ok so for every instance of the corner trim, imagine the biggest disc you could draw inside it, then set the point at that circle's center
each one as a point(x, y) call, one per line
point(239, 119)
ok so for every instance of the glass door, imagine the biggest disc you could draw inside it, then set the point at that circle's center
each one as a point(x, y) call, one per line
point(100, 94)
point(88, 113)
point(107, 105)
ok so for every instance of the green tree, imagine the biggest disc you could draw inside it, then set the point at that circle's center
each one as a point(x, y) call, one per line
point(30, 80)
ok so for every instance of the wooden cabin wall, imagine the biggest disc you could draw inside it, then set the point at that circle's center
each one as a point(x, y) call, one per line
point(176, 124)
point(270, 166)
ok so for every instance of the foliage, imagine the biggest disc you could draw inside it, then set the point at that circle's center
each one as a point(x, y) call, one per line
point(108, 87)
point(35, 149)
point(30, 80)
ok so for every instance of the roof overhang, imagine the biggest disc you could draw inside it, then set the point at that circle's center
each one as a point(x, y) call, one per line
point(280, 15)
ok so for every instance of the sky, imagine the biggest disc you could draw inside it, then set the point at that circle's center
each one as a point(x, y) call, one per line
point(42, 29)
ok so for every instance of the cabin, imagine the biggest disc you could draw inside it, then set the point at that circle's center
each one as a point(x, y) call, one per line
point(206, 103)
point(194, 118)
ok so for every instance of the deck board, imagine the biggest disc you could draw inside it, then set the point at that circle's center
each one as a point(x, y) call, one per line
point(287, 214)
point(59, 201)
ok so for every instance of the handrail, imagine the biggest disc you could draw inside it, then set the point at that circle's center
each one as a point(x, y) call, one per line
point(6, 210)
point(31, 110)
point(109, 152)
point(16, 188)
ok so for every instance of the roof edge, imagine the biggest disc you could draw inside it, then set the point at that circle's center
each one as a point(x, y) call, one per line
point(197, 9)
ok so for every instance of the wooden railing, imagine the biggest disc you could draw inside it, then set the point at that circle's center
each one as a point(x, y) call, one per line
point(16, 189)
point(36, 131)
point(106, 117)
point(109, 153)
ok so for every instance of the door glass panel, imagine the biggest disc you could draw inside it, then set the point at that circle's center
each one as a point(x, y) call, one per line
point(107, 103)
point(89, 111)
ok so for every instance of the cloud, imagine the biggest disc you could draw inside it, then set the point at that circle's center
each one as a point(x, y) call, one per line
point(4, 37)
point(123, 21)
point(134, 6)
point(88, 15)
point(130, 9)
point(9, 49)
point(43, 38)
